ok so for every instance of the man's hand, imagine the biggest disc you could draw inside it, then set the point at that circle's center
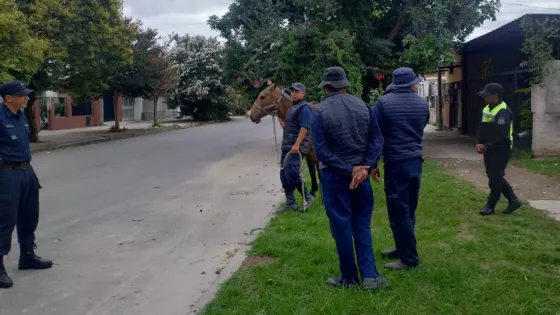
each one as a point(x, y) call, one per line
point(375, 174)
point(357, 169)
point(480, 148)
point(358, 178)
point(295, 149)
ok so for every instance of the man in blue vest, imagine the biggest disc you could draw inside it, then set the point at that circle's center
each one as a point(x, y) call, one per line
point(495, 141)
point(19, 186)
point(295, 145)
point(402, 116)
point(348, 144)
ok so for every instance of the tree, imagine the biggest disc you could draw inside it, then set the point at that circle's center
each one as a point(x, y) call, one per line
point(100, 43)
point(200, 90)
point(146, 75)
point(22, 53)
point(376, 34)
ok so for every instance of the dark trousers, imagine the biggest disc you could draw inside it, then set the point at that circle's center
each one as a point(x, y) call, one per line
point(402, 189)
point(19, 206)
point(495, 163)
point(290, 174)
point(349, 213)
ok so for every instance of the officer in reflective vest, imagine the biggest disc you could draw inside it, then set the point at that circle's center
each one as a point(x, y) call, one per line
point(495, 142)
point(19, 186)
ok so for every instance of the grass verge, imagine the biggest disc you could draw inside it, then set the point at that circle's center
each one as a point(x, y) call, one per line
point(549, 167)
point(469, 264)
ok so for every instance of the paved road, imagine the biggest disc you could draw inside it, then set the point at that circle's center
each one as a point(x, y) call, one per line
point(141, 226)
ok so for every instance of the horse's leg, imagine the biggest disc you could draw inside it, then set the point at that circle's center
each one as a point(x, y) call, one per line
point(312, 166)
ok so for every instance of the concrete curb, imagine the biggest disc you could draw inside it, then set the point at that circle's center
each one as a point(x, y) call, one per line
point(44, 147)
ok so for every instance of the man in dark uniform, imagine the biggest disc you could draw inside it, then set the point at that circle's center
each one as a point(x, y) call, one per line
point(495, 141)
point(19, 186)
point(348, 144)
point(402, 116)
point(295, 141)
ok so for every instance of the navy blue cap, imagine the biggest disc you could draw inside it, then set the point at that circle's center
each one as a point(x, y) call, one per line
point(492, 89)
point(298, 86)
point(14, 88)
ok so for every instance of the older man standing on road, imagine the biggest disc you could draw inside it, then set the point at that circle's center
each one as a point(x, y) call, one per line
point(348, 144)
point(402, 116)
point(19, 186)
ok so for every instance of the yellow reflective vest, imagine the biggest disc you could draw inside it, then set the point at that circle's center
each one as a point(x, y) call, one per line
point(489, 116)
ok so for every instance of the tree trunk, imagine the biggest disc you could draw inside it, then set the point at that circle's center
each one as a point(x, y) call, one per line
point(400, 21)
point(116, 111)
point(30, 114)
point(155, 110)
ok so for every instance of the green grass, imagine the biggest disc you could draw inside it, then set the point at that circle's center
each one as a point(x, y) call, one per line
point(549, 167)
point(469, 264)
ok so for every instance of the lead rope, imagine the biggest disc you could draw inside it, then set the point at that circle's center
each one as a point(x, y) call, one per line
point(276, 140)
point(304, 202)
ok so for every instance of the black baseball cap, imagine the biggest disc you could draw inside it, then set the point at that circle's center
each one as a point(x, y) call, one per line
point(14, 88)
point(491, 89)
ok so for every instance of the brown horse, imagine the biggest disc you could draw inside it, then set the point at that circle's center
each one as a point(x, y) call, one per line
point(274, 101)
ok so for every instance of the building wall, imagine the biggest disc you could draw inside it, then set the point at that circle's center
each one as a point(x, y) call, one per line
point(545, 105)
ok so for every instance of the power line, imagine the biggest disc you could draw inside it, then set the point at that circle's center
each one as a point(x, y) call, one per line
point(531, 6)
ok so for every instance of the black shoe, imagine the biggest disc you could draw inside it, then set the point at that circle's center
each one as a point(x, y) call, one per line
point(5, 280)
point(488, 210)
point(341, 283)
point(389, 254)
point(513, 206)
point(29, 261)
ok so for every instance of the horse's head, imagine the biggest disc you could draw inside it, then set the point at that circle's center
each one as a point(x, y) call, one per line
point(266, 103)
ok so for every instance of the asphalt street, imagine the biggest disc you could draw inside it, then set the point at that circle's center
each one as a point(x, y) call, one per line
point(148, 225)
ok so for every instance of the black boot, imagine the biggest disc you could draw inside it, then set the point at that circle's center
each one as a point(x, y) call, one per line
point(309, 199)
point(488, 210)
point(5, 281)
point(291, 204)
point(513, 206)
point(28, 260)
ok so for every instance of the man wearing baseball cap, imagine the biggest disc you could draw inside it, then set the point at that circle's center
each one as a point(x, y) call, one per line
point(495, 142)
point(295, 145)
point(19, 186)
point(348, 143)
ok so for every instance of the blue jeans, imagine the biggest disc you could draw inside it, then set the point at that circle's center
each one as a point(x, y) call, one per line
point(402, 189)
point(290, 175)
point(349, 213)
point(19, 206)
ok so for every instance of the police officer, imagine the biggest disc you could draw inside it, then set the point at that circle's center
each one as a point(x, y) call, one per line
point(295, 141)
point(19, 186)
point(495, 142)
point(348, 144)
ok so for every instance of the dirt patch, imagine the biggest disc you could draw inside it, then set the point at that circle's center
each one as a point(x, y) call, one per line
point(465, 234)
point(251, 261)
point(527, 185)
point(442, 245)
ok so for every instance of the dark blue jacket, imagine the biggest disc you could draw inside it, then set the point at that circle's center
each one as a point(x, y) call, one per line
point(402, 116)
point(345, 134)
point(297, 117)
point(14, 136)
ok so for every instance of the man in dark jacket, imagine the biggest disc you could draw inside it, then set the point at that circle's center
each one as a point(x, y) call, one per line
point(402, 116)
point(348, 143)
point(495, 140)
point(295, 145)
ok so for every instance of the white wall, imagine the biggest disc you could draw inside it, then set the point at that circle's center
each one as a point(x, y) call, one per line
point(545, 105)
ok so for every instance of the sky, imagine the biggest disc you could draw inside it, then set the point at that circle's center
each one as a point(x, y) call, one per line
point(190, 16)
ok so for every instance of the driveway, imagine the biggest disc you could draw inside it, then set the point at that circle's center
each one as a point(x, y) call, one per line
point(148, 225)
